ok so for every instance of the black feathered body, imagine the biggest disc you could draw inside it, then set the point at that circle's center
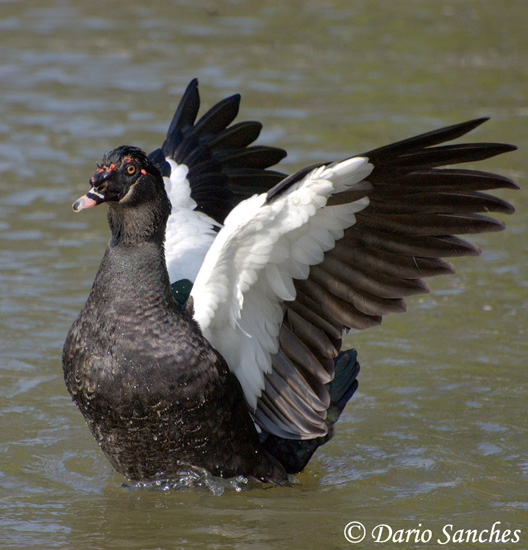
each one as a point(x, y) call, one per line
point(155, 394)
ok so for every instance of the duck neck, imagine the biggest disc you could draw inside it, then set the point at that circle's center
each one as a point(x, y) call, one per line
point(141, 223)
point(133, 270)
point(134, 274)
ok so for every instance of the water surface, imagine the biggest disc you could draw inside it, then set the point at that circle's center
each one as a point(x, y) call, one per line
point(437, 433)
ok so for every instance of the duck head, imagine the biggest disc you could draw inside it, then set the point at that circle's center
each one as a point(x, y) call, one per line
point(133, 188)
point(125, 175)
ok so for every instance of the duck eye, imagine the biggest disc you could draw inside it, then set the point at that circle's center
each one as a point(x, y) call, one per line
point(131, 169)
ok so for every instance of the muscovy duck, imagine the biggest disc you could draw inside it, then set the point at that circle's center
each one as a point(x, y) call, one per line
point(246, 377)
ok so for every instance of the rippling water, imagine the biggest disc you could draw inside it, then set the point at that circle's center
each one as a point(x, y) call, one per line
point(437, 433)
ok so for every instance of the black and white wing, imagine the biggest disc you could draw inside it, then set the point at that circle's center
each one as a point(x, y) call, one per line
point(332, 248)
point(209, 165)
point(267, 242)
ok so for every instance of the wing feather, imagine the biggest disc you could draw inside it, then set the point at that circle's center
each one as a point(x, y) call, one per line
point(262, 247)
point(335, 247)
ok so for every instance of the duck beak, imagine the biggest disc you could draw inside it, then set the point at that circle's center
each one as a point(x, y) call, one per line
point(91, 199)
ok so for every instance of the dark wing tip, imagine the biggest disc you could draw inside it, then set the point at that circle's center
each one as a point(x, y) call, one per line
point(428, 139)
point(217, 153)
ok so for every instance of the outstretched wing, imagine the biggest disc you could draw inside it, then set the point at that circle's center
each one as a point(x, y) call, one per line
point(221, 166)
point(267, 241)
point(327, 251)
point(208, 166)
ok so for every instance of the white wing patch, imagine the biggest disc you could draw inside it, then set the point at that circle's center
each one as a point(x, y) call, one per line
point(250, 267)
point(189, 232)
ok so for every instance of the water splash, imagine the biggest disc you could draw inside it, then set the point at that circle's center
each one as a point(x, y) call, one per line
point(193, 477)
